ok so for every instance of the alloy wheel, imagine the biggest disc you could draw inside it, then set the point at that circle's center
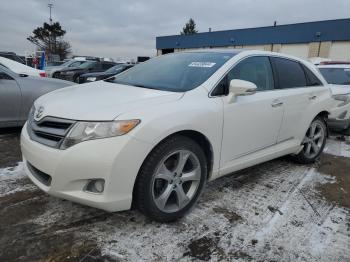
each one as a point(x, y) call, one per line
point(313, 140)
point(176, 181)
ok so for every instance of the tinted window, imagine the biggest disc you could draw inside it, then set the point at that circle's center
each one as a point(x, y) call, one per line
point(289, 73)
point(178, 72)
point(312, 80)
point(254, 69)
point(75, 64)
point(106, 66)
point(337, 76)
point(4, 76)
point(88, 64)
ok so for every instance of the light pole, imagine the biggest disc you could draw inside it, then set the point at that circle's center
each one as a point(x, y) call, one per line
point(50, 5)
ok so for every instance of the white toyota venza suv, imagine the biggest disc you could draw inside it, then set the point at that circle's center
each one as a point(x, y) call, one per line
point(155, 134)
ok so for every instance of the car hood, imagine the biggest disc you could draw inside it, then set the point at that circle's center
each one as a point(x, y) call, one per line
point(100, 101)
point(340, 89)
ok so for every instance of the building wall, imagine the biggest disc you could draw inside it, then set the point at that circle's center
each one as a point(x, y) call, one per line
point(339, 50)
point(298, 50)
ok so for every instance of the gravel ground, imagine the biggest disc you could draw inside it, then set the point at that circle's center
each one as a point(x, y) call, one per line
point(276, 211)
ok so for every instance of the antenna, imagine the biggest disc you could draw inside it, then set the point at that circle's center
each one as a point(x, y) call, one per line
point(50, 5)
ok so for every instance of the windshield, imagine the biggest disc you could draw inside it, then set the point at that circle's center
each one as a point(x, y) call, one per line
point(115, 69)
point(87, 64)
point(178, 72)
point(337, 76)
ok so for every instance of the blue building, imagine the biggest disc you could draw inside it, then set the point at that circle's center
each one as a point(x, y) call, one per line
point(329, 39)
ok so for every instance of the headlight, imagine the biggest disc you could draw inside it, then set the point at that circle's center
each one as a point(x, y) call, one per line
point(344, 98)
point(83, 131)
point(91, 79)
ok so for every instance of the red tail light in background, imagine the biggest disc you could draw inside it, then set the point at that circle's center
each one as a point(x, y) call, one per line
point(42, 74)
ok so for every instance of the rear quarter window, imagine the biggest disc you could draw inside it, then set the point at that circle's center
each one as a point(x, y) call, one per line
point(289, 73)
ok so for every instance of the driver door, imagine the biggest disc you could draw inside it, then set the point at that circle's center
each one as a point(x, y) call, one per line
point(10, 100)
point(251, 122)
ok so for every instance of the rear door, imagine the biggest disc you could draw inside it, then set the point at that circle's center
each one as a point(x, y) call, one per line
point(10, 99)
point(252, 122)
point(299, 88)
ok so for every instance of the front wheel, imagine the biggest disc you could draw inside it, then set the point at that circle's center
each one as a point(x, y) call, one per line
point(313, 142)
point(171, 179)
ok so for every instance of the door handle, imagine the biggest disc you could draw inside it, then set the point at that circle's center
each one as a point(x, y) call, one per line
point(276, 103)
point(313, 97)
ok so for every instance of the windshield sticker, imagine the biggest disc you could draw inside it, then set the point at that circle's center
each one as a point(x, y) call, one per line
point(201, 64)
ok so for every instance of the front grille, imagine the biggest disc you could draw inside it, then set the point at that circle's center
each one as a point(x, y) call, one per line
point(49, 131)
point(41, 176)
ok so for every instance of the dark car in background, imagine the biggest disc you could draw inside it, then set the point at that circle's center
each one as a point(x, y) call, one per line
point(91, 77)
point(73, 74)
point(12, 56)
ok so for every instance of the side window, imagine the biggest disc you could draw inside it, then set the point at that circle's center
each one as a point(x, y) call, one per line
point(74, 64)
point(106, 66)
point(97, 66)
point(255, 69)
point(312, 80)
point(4, 76)
point(289, 73)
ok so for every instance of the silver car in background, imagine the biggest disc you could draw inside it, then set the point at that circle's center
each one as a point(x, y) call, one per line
point(18, 92)
point(51, 71)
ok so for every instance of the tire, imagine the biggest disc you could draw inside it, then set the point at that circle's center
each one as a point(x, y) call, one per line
point(314, 142)
point(76, 79)
point(164, 191)
point(55, 75)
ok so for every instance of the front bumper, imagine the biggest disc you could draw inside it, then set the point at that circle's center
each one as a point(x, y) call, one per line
point(116, 160)
point(67, 77)
point(338, 124)
point(339, 118)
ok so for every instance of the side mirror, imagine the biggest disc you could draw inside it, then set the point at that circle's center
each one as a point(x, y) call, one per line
point(240, 87)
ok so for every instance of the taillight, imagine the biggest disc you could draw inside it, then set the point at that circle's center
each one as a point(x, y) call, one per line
point(42, 74)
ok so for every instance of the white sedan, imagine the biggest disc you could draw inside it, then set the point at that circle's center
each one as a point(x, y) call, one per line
point(21, 69)
point(155, 134)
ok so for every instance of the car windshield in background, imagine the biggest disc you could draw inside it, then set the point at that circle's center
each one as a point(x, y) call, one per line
point(177, 72)
point(337, 76)
point(87, 64)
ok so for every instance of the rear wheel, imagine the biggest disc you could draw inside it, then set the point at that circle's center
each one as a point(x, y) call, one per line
point(314, 142)
point(171, 179)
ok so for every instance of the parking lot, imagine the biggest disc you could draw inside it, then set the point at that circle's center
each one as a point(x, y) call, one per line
point(277, 211)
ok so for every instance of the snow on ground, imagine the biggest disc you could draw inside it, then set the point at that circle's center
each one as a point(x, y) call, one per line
point(339, 146)
point(270, 212)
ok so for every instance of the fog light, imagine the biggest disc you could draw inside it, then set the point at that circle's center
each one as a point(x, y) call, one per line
point(95, 186)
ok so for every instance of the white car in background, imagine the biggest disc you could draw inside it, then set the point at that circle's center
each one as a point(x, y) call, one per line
point(338, 75)
point(21, 69)
point(156, 133)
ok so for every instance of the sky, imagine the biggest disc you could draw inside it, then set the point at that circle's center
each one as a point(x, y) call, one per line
point(125, 29)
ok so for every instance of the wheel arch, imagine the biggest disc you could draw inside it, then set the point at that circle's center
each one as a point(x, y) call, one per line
point(196, 136)
point(324, 115)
